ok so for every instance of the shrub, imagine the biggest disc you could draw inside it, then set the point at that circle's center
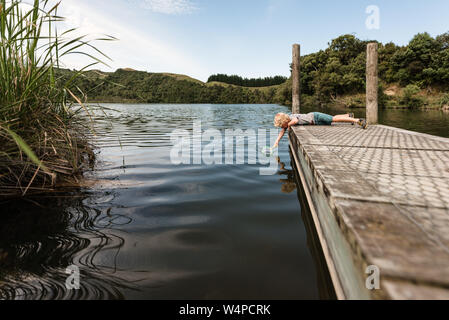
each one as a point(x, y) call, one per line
point(410, 97)
point(444, 101)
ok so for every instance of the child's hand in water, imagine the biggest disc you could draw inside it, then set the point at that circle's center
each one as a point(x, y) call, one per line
point(267, 151)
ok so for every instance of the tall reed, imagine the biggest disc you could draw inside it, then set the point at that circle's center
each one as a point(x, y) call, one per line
point(42, 139)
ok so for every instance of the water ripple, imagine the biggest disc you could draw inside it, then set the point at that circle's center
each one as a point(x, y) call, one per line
point(144, 228)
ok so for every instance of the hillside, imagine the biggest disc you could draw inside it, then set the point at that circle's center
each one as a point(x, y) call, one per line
point(130, 86)
point(411, 76)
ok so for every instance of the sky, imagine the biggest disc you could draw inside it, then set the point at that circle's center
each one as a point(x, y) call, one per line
point(250, 38)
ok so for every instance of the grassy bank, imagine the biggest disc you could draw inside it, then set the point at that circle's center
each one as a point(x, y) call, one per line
point(42, 140)
point(393, 97)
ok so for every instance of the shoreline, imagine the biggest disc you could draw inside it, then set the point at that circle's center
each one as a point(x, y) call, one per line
point(332, 105)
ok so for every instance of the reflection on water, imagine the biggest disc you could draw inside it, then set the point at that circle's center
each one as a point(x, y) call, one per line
point(289, 183)
point(41, 236)
point(153, 230)
point(324, 281)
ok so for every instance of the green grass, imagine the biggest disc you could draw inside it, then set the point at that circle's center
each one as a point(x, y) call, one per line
point(41, 131)
point(181, 77)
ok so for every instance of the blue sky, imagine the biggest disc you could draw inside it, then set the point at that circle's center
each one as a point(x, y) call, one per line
point(251, 38)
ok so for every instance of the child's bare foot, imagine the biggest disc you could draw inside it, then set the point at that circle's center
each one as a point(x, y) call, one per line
point(362, 122)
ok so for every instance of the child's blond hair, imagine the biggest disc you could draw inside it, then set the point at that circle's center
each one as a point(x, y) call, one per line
point(280, 119)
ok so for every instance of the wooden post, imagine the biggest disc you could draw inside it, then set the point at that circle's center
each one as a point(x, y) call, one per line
point(296, 89)
point(372, 83)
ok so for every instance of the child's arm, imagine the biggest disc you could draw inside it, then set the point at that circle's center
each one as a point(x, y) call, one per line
point(281, 134)
point(293, 122)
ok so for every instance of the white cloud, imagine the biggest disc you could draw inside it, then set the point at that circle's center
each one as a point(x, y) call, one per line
point(169, 6)
point(135, 48)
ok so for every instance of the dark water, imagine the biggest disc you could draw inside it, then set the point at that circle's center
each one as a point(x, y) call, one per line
point(150, 229)
point(154, 230)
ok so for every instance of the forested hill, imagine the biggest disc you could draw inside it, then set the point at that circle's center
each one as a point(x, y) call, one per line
point(125, 85)
point(414, 75)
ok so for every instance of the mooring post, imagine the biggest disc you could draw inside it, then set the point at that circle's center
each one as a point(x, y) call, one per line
point(372, 83)
point(296, 88)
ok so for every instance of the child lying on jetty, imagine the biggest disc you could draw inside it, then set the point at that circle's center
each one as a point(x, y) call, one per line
point(285, 121)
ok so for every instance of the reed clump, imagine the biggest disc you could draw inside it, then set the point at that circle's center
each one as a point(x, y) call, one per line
point(43, 131)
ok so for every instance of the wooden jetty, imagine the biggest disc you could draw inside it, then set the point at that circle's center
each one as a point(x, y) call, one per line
point(379, 198)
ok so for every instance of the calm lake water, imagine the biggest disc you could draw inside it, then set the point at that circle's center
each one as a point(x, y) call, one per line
point(150, 229)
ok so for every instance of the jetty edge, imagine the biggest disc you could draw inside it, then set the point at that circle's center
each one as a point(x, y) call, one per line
point(378, 198)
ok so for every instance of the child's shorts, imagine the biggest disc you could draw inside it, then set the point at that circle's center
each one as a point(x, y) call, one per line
point(322, 119)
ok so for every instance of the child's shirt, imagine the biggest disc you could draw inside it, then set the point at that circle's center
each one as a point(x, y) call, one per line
point(303, 119)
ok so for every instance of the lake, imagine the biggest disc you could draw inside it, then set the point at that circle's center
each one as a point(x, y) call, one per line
point(154, 229)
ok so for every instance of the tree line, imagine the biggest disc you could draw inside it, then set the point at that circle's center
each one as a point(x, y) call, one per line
point(245, 82)
point(340, 69)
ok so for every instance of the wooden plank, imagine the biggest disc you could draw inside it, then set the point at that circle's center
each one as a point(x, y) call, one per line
point(385, 205)
point(333, 273)
point(401, 290)
point(348, 282)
